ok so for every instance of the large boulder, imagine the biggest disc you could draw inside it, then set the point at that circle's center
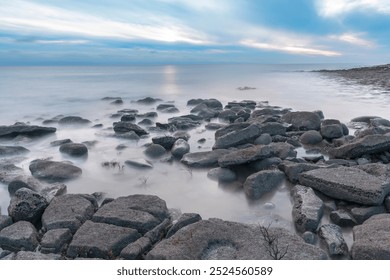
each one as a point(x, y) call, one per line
point(347, 183)
point(21, 235)
point(302, 120)
point(257, 184)
point(237, 137)
point(53, 170)
point(204, 159)
point(74, 149)
point(25, 130)
point(123, 127)
point(244, 156)
point(6, 151)
point(226, 129)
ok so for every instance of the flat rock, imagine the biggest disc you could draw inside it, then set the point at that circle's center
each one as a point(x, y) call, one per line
point(294, 169)
point(302, 120)
point(73, 120)
point(347, 183)
point(244, 156)
point(180, 148)
point(364, 119)
point(123, 127)
point(54, 241)
point(282, 150)
point(307, 208)
point(184, 220)
point(342, 218)
point(136, 249)
point(361, 214)
point(139, 163)
point(6, 151)
point(25, 130)
point(99, 240)
point(273, 128)
point(217, 239)
point(222, 174)
point(53, 170)
point(74, 149)
point(332, 236)
point(257, 184)
point(67, 211)
point(204, 159)
point(266, 163)
point(148, 100)
point(21, 235)
point(372, 239)
point(237, 137)
point(226, 129)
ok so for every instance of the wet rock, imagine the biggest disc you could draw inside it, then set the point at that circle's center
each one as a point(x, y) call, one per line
point(204, 159)
point(110, 98)
point(162, 107)
point(184, 220)
point(183, 123)
point(370, 144)
point(332, 236)
point(74, 149)
point(194, 102)
point(266, 163)
point(363, 213)
point(273, 128)
point(5, 253)
point(9, 172)
point(55, 240)
point(60, 142)
point(214, 126)
point(226, 129)
point(257, 184)
point(307, 209)
point(244, 156)
point(53, 170)
point(123, 127)
point(148, 115)
point(182, 135)
point(136, 249)
point(282, 150)
point(347, 183)
point(222, 174)
point(159, 232)
point(67, 211)
point(131, 135)
point(372, 239)
point(139, 163)
point(24, 181)
point(331, 131)
point(99, 240)
point(6, 151)
point(238, 137)
point(51, 191)
point(201, 141)
point(148, 100)
point(23, 255)
point(180, 148)
point(309, 237)
point(263, 139)
point(342, 162)
point(121, 147)
point(5, 221)
point(21, 235)
point(146, 122)
point(73, 120)
point(128, 111)
point(227, 115)
point(128, 118)
point(364, 119)
point(117, 102)
point(379, 122)
point(293, 169)
point(165, 141)
point(311, 137)
point(155, 151)
point(17, 129)
point(217, 239)
point(27, 205)
point(342, 218)
point(302, 120)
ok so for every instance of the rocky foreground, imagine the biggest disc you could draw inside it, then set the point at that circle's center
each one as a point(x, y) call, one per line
point(346, 179)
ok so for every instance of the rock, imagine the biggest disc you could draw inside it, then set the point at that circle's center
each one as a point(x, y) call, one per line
point(67, 211)
point(226, 129)
point(155, 151)
point(184, 122)
point(331, 131)
point(161, 107)
point(139, 163)
point(131, 135)
point(363, 213)
point(9, 172)
point(311, 137)
point(370, 144)
point(387, 203)
point(184, 220)
point(273, 128)
point(263, 139)
point(74, 149)
point(214, 126)
point(117, 102)
point(5, 221)
point(140, 212)
point(302, 120)
point(194, 102)
point(165, 141)
point(21, 235)
point(222, 174)
point(332, 236)
point(217, 239)
point(60, 142)
point(347, 183)
point(238, 137)
point(136, 249)
point(27, 205)
point(110, 98)
point(17, 129)
point(123, 127)
point(158, 232)
point(148, 100)
point(180, 148)
point(128, 118)
point(55, 240)
point(244, 156)
point(24, 181)
point(342, 218)
point(282, 150)
point(266, 163)
point(23, 255)
point(227, 115)
point(293, 169)
point(364, 119)
point(201, 141)
point(51, 191)
point(99, 240)
point(309, 237)
point(73, 120)
point(6, 151)
point(257, 184)
point(379, 122)
point(148, 115)
point(182, 135)
point(372, 239)
point(121, 147)
point(203, 159)
point(307, 209)
point(146, 122)
point(53, 170)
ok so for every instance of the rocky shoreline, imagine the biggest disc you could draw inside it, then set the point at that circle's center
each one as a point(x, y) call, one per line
point(346, 178)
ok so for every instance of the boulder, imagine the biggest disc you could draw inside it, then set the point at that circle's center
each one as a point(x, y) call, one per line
point(347, 183)
point(222, 174)
point(5, 221)
point(6, 151)
point(155, 151)
point(162, 107)
point(9, 172)
point(307, 208)
point(245, 156)
point(257, 184)
point(55, 240)
point(294, 169)
point(282, 150)
point(73, 120)
point(238, 137)
point(180, 148)
point(139, 163)
point(24, 181)
point(123, 127)
point(128, 118)
point(331, 131)
point(332, 236)
point(21, 235)
point(17, 129)
point(342, 218)
point(148, 100)
point(311, 137)
point(60, 142)
point(226, 129)
point(266, 163)
point(214, 126)
point(364, 119)
point(146, 122)
point(372, 239)
point(204, 159)
point(136, 249)
point(53, 170)
point(184, 220)
point(361, 214)
point(302, 120)
point(273, 128)
point(74, 149)
point(263, 139)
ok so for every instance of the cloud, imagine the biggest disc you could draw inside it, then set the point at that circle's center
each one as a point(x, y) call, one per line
point(353, 39)
point(202, 5)
point(334, 8)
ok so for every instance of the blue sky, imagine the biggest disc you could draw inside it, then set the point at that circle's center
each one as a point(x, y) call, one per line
point(76, 32)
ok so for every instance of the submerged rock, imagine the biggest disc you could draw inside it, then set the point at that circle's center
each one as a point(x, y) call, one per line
point(222, 174)
point(123, 127)
point(139, 163)
point(6, 151)
point(74, 149)
point(25, 130)
point(180, 148)
point(73, 120)
point(53, 170)
point(155, 151)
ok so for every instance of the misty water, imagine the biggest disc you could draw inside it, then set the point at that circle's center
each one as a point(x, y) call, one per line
point(33, 94)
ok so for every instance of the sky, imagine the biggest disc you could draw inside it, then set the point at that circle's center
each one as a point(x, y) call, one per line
point(118, 32)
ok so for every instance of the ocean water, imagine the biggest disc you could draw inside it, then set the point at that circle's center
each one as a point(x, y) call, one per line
point(32, 94)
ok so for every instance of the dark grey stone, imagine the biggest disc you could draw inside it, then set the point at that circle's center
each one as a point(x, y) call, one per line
point(74, 149)
point(222, 174)
point(331, 131)
point(293, 169)
point(23, 255)
point(21, 235)
point(139, 163)
point(263, 139)
point(244, 156)
point(146, 122)
point(342, 218)
point(379, 122)
point(53, 170)
point(363, 213)
point(180, 148)
point(332, 236)
point(148, 100)
point(60, 142)
point(273, 128)
point(159, 232)
point(9, 172)
point(311, 137)
point(214, 126)
point(123, 127)
point(51, 191)
point(5, 221)
point(226, 129)
point(237, 137)
point(24, 181)
point(184, 220)
point(257, 184)
point(131, 135)
point(162, 107)
point(387, 203)
point(99, 240)
point(282, 150)
point(136, 249)
point(307, 209)
point(73, 120)
point(55, 240)
point(25, 130)
point(204, 159)
point(155, 151)
point(364, 119)
point(128, 118)
point(309, 237)
point(6, 151)
point(302, 120)
point(265, 163)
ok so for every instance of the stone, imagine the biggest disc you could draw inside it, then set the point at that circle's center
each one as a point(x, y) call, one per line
point(180, 148)
point(214, 126)
point(311, 137)
point(53, 170)
point(282, 150)
point(226, 129)
point(364, 119)
point(60, 142)
point(131, 135)
point(266, 163)
point(21, 235)
point(139, 163)
point(27, 205)
point(263, 139)
point(184, 220)
point(159, 232)
point(342, 218)
point(74, 149)
point(227, 115)
point(332, 236)
point(162, 107)
point(309, 237)
point(24, 181)
point(361, 214)
point(257, 184)
point(136, 249)
point(293, 170)
point(6, 151)
point(222, 174)
point(146, 122)
point(5, 221)
point(17, 129)
point(67, 211)
point(302, 120)
point(387, 203)
point(245, 156)
point(273, 128)
point(128, 118)
point(148, 100)
point(99, 240)
point(155, 151)
point(117, 102)
point(204, 159)
point(238, 137)
point(55, 240)
point(24, 255)
point(9, 171)
point(347, 183)
point(123, 127)
point(379, 122)
point(331, 131)
point(371, 144)
point(51, 191)
point(372, 239)
point(219, 240)
point(73, 120)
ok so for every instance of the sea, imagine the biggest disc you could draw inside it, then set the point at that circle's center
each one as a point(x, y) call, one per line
point(33, 94)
